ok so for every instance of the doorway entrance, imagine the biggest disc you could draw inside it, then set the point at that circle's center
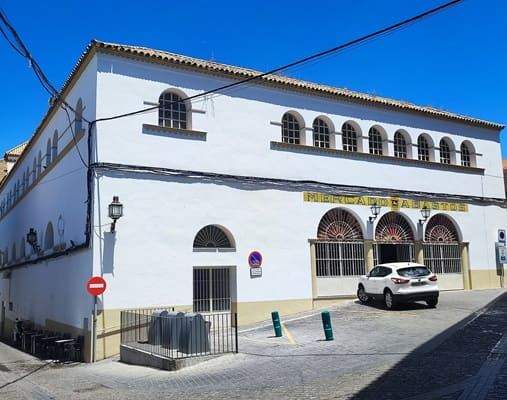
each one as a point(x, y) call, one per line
point(388, 252)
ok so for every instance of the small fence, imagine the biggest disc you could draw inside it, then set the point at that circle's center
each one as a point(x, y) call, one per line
point(179, 335)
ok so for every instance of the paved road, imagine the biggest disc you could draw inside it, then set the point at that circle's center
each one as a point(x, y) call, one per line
point(456, 351)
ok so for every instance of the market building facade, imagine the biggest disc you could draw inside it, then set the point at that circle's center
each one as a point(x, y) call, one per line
point(321, 183)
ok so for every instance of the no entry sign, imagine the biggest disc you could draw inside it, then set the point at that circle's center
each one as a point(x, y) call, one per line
point(96, 285)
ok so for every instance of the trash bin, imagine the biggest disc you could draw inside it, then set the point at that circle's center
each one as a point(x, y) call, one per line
point(194, 334)
point(155, 327)
point(170, 328)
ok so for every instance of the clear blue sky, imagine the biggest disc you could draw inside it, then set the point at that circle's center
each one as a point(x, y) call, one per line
point(455, 60)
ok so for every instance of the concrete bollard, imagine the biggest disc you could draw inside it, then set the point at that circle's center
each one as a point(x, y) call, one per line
point(326, 323)
point(276, 323)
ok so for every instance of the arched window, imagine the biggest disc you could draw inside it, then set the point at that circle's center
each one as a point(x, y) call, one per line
point(290, 129)
point(14, 255)
point(339, 224)
point(320, 133)
point(393, 227)
point(39, 164)
point(78, 121)
point(466, 160)
point(445, 152)
point(49, 237)
point(23, 183)
point(212, 237)
point(54, 147)
point(440, 229)
point(6, 256)
point(27, 173)
point(349, 137)
point(339, 250)
point(48, 153)
point(172, 111)
point(400, 145)
point(423, 149)
point(375, 141)
point(34, 170)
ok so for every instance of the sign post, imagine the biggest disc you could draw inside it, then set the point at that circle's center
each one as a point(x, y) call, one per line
point(255, 262)
point(96, 285)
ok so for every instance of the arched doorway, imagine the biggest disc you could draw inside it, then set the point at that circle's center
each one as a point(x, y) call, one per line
point(441, 249)
point(339, 253)
point(394, 239)
point(213, 285)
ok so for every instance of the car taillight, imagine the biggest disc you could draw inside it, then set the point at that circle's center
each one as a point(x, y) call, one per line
point(400, 281)
point(433, 278)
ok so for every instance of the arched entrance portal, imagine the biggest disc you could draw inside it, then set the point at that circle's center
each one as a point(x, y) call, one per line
point(441, 246)
point(338, 254)
point(394, 239)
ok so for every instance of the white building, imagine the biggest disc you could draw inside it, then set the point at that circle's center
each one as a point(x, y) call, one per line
point(287, 168)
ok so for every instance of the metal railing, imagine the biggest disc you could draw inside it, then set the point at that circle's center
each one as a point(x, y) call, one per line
point(179, 335)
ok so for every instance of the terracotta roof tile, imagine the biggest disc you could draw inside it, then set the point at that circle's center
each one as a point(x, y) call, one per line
point(168, 58)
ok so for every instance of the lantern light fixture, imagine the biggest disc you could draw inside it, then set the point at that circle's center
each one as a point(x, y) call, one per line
point(115, 212)
point(375, 211)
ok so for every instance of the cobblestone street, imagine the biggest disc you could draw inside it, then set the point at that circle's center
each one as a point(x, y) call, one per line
point(456, 351)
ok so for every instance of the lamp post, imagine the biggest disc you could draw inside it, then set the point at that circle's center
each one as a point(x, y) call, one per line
point(115, 212)
point(425, 212)
point(31, 238)
point(375, 211)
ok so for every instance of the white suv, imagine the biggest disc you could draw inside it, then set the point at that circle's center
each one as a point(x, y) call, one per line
point(399, 282)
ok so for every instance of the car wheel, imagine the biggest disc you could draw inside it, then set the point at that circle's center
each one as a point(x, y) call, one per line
point(389, 300)
point(362, 296)
point(432, 303)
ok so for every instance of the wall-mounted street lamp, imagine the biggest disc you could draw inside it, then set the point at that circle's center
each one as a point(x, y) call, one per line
point(375, 211)
point(115, 212)
point(31, 238)
point(425, 212)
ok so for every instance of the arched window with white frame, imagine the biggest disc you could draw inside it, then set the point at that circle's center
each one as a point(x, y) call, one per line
point(423, 150)
point(400, 145)
point(320, 133)
point(375, 141)
point(49, 238)
point(445, 152)
point(349, 137)
point(48, 153)
point(172, 111)
point(291, 129)
point(78, 120)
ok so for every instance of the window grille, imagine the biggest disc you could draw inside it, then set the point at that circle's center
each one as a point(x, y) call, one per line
point(320, 133)
point(393, 227)
point(442, 258)
point(423, 151)
point(290, 129)
point(375, 141)
point(400, 145)
point(211, 236)
point(349, 137)
point(211, 290)
point(340, 258)
point(465, 156)
point(445, 152)
point(172, 111)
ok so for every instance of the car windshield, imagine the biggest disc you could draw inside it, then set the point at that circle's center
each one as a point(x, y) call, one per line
point(411, 272)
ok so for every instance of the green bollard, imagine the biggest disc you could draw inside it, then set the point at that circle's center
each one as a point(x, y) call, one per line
point(326, 323)
point(276, 323)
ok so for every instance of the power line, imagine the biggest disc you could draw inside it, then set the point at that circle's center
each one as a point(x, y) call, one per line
point(302, 61)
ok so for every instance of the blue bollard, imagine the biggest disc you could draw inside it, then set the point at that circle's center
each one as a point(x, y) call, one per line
point(276, 323)
point(326, 323)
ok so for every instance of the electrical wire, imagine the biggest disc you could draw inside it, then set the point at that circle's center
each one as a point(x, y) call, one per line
point(298, 185)
point(222, 89)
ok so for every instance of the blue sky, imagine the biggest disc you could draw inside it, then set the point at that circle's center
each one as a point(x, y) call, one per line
point(455, 60)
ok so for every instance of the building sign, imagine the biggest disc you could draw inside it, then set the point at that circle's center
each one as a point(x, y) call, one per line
point(394, 203)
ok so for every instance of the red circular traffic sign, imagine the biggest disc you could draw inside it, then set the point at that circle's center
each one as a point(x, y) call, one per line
point(96, 285)
point(255, 259)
